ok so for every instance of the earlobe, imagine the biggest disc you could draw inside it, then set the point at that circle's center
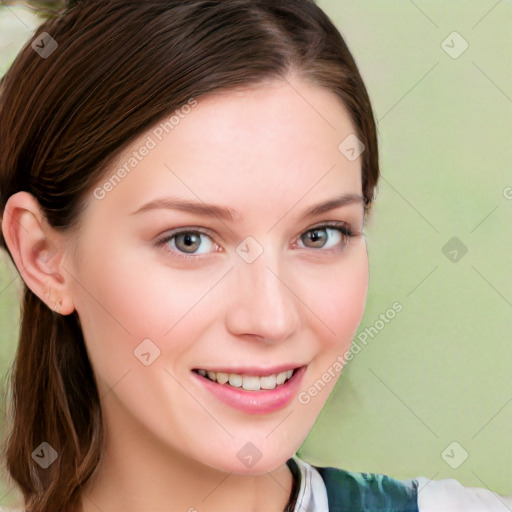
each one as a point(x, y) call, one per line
point(36, 249)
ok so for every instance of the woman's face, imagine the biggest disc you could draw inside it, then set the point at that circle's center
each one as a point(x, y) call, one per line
point(163, 290)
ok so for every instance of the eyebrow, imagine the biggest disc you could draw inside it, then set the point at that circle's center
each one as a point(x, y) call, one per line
point(229, 214)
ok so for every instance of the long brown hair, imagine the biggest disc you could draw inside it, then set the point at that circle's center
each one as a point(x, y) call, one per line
point(121, 66)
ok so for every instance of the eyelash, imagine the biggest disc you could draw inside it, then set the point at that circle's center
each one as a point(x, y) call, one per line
point(342, 227)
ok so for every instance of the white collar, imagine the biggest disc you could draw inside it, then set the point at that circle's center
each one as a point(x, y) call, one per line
point(312, 496)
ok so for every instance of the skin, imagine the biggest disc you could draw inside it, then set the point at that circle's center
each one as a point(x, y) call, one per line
point(268, 152)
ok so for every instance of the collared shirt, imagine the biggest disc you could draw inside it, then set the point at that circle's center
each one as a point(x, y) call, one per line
point(431, 495)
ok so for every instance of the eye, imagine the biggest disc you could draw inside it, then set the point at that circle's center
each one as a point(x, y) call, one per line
point(187, 242)
point(327, 236)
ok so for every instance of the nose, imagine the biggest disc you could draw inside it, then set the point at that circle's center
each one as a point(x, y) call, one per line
point(262, 302)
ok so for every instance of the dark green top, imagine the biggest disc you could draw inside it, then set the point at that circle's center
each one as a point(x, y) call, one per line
point(368, 492)
point(358, 492)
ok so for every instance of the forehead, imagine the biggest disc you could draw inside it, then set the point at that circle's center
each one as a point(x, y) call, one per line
point(255, 148)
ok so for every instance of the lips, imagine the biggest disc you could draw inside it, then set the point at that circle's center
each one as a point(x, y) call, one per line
point(250, 401)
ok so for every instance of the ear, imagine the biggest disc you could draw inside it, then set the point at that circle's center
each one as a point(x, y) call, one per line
point(37, 250)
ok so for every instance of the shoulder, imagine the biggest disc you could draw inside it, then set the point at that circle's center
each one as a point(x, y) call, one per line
point(348, 491)
point(449, 494)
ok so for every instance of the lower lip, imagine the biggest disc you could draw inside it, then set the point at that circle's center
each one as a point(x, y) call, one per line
point(255, 402)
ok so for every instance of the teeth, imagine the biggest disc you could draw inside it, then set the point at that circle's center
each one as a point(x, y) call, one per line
point(234, 380)
point(222, 377)
point(268, 382)
point(248, 382)
point(251, 383)
point(281, 377)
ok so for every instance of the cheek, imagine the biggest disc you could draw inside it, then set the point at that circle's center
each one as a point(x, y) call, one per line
point(126, 301)
point(337, 296)
point(339, 303)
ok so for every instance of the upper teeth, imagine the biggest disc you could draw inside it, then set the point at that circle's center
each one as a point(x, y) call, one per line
point(248, 382)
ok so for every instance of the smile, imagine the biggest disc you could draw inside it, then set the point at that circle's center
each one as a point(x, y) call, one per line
point(250, 392)
point(248, 382)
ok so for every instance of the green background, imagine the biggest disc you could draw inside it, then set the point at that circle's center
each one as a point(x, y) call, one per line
point(439, 372)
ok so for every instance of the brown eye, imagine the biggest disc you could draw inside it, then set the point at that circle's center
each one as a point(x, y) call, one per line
point(191, 242)
point(327, 237)
point(188, 242)
point(317, 236)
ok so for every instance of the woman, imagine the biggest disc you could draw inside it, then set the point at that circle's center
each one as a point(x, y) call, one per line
point(184, 186)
